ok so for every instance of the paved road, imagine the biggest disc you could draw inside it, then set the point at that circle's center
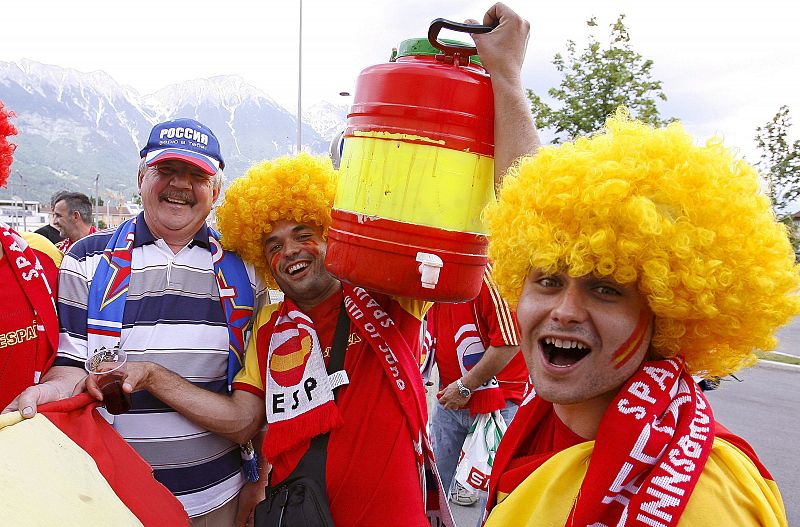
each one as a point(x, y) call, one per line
point(789, 338)
point(765, 410)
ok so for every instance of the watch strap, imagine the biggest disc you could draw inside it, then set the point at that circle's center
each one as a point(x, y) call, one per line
point(463, 390)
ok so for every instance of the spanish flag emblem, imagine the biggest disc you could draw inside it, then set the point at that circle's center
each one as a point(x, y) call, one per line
point(288, 361)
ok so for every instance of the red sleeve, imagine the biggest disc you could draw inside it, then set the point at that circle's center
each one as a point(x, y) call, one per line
point(497, 320)
point(251, 378)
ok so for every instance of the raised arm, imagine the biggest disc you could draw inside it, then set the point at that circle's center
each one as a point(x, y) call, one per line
point(502, 53)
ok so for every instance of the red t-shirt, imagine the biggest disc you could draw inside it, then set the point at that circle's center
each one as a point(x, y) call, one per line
point(371, 470)
point(20, 359)
point(462, 332)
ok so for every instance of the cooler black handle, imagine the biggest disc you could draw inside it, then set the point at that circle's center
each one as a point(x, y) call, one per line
point(453, 49)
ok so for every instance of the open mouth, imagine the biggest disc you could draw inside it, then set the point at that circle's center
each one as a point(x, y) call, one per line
point(563, 352)
point(297, 268)
point(176, 199)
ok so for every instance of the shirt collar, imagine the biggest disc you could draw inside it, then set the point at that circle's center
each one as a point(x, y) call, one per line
point(143, 235)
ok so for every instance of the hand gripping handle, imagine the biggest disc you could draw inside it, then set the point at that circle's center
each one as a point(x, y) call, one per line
point(455, 49)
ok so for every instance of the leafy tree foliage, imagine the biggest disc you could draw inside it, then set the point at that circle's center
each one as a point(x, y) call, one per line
point(596, 81)
point(780, 167)
point(780, 160)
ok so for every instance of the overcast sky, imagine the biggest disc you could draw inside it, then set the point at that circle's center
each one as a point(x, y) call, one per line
point(727, 66)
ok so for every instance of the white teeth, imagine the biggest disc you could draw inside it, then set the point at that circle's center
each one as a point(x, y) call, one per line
point(566, 344)
point(295, 267)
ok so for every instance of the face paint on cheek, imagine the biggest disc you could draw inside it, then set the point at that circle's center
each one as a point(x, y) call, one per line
point(311, 246)
point(273, 262)
point(628, 348)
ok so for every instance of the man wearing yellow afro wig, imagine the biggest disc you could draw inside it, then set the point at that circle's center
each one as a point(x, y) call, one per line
point(370, 410)
point(635, 259)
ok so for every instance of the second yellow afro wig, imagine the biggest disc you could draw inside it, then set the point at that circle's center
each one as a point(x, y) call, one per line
point(299, 189)
point(687, 223)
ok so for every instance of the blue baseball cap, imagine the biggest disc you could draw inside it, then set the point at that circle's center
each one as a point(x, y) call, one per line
point(185, 140)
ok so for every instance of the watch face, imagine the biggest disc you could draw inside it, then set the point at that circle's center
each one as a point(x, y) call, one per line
point(464, 391)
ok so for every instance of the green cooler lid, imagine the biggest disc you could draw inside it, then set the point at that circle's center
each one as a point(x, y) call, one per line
point(422, 46)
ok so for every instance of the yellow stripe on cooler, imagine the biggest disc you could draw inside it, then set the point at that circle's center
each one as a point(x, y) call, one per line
point(414, 183)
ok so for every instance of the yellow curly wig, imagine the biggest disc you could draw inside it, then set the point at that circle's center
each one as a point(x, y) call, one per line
point(297, 189)
point(687, 223)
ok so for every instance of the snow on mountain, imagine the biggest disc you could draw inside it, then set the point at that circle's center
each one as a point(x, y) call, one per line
point(227, 91)
point(326, 118)
point(76, 125)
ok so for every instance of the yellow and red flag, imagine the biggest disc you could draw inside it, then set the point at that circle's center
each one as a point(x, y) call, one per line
point(68, 466)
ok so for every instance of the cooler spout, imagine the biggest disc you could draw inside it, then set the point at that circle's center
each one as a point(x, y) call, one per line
point(429, 267)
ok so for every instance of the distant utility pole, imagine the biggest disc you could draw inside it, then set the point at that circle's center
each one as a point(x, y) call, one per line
point(24, 193)
point(96, 198)
point(300, 80)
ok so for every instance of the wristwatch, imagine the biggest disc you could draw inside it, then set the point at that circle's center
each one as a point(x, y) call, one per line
point(463, 390)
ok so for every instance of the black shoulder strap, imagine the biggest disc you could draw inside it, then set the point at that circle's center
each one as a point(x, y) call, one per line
point(339, 346)
point(319, 444)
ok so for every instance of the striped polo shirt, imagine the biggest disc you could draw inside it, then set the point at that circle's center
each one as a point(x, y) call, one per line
point(173, 317)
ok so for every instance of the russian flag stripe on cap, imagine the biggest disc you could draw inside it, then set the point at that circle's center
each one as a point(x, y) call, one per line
point(207, 164)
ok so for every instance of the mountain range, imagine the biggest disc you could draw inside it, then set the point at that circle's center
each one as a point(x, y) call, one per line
point(75, 127)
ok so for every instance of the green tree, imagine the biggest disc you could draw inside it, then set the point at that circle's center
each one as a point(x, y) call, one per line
point(596, 81)
point(780, 167)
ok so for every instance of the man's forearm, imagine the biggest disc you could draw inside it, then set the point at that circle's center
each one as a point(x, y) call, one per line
point(236, 417)
point(502, 52)
point(514, 132)
point(494, 360)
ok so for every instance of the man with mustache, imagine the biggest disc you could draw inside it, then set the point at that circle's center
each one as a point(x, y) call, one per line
point(161, 287)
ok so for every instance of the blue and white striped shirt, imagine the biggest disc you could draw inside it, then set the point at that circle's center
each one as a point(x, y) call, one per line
point(172, 317)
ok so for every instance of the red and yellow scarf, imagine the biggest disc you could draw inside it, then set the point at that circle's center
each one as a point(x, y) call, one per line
point(651, 447)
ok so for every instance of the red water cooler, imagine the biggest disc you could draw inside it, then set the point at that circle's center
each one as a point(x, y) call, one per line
point(416, 171)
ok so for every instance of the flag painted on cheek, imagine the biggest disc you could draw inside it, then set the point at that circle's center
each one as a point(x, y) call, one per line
point(273, 262)
point(628, 348)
